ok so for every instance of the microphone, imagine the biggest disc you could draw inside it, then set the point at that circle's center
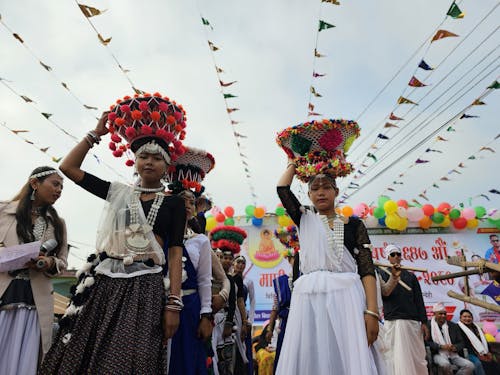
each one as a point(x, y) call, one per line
point(45, 249)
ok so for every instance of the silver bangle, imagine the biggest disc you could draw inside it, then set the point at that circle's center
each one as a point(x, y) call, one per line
point(94, 136)
point(289, 165)
point(89, 141)
point(372, 313)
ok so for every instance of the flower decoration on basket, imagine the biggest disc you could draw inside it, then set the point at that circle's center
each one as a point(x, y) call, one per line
point(319, 147)
point(189, 170)
point(289, 237)
point(146, 116)
point(228, 238)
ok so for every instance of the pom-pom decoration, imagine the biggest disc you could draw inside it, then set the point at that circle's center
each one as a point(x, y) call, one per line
point(227, 238)
point(289, 237)
point(319, 147)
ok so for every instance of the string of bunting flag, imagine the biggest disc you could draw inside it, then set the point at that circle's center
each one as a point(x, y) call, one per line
point(322, 25)
point(45, 66)
point(419, 161)
point(90, 12)
point(225, 86)
point(48, 117)
point(392, 120)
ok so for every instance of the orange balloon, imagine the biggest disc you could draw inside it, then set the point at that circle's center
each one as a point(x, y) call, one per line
point(259, 212)
point(425, 222)
point(347, 211)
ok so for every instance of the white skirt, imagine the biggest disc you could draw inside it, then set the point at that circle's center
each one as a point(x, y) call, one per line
point(326, 331)
point(19, 341)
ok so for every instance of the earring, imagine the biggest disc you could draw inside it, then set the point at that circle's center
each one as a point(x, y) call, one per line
point(32, 197)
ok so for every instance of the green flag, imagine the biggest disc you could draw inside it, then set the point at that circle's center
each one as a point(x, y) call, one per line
point(205, 21)
point(495, 85)
point(455, 12)
point(228, 96)
point(324, 25)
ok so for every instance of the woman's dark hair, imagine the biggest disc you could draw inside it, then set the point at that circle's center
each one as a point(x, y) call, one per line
point(327, 177)
point(465, 311)
point(24, 225)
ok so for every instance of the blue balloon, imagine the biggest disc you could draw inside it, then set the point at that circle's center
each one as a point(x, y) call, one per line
point(257, 222)
point(381, 221)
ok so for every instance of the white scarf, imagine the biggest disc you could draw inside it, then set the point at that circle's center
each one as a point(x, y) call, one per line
point(481, 346)
point(442, 338)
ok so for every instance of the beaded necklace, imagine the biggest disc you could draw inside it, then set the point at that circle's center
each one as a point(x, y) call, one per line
point(335, 238)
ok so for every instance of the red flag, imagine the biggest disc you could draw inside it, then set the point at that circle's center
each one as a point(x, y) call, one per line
point(230, 110)
point(393, 117)
point(314, 114)
point(440, 34)
point(223, 84)
point(389, 125)
point(414, 82)
point(310, 106)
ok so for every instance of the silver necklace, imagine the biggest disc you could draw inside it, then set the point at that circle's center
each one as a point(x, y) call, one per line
point(149, 190)
point(39, 228)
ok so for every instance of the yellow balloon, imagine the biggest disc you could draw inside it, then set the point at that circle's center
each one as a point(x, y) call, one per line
point(392, 221)
point(403, 223)
point(489, 337)
point(211, 223)
point(472, 223)
point(446, 222)
point(390, 207)
point(283, 221)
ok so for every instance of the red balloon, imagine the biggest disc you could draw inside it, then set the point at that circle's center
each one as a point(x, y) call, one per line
point(460, 223)
point(402, 203)
point(229, 211)
point(444, 208)
point(220, 217)
point(428, 209)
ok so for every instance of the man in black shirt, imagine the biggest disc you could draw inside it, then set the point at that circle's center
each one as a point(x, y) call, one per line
point(405, 318)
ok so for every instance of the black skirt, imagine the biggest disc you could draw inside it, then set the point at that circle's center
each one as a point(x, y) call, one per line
point(118, 331)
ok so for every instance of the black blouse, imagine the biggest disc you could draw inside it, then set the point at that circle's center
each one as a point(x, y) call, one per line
point(355, 234)
point(171, 219)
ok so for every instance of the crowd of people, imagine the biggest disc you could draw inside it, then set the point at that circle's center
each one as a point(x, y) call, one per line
point(162, 296)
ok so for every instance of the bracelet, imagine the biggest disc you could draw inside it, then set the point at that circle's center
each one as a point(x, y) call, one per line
point(94, 136)
point(173, 308)
point(208, 316)
point(89, 141)
point(289, 165)
point(374, 314)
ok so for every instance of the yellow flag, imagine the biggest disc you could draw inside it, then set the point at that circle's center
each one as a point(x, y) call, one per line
point(90, 11)
point(104, 41)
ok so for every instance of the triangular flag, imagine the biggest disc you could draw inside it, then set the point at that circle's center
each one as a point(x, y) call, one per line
point(472, 157)
point(439, 138)
point(317, 54)
point(233, 122)
point(212, 46)
point(90, 107)
point(102, 40)
point(26, 99)
point(432, 150)
point(461, 165)
point(444, 178)
point(56, 160)
point(313, 114)
point(389, 125)
point(416, 202)
point(310, 106)
point(495, 85)
point(227, 84)
point(467, 116)
point(498, 136)
point(478, 102)
point(364, 165)
point(494, 191)
point(231, 110)
point(414, 82)
point(484, 148)
point(44, 149)
point(206, 23)
point(450, 129)
point(90, 11)
point(382, 136)
point(45, 66)
point(421, 161)
point(28, 141)
point(393, 117)
point(484, 196)
point(422, 195)
point(65, 85)
point(229, 96)
point(19, 131)
point(18, 37)
point(324, 25)
point(137, 91)
point(435, 185)
point(397, 183)
point(390, 189)
point(317, 75)
point(374, 146)
point(403, 100)
point(370, 155)
point(455, 12)
point(239, 135)
point(423, 65)
point(454, 171)
point(219, 70)
point(46, 115)
point(334, 2)
point(313, 91)
point(440, 34)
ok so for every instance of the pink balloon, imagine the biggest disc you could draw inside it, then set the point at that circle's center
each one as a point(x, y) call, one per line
point(490, 327)
point(497, 337)
point(414, 214)
point(468, 213)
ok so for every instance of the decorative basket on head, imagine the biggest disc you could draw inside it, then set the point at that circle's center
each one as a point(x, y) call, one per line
point(319, 147)
point(289, 237)
point(189, 170)
point(227, 238)
point(146, 117)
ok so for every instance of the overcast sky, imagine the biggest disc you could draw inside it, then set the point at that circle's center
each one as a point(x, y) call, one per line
point(267, 46)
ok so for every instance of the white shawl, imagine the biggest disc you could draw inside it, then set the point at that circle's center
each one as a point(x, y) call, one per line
point(481, 346)
point(442, 338)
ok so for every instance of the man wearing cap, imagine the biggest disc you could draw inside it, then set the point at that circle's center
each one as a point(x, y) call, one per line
point(446, 342)
point(405, 319)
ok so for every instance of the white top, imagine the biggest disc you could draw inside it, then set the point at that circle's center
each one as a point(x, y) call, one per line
point(199, 250)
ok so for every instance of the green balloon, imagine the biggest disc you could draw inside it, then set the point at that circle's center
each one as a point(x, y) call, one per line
point(249, 210)
point(280, 211)
point(379, 212)
point(437, 217)
point(480, 211)
point(382, 199)
point(454, 214)
point(229, 221)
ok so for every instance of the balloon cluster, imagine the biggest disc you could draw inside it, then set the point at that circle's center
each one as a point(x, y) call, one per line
point(491, 332)
point(398, 214)
point(256, 214)
point(218, 217)
point(283, 219)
